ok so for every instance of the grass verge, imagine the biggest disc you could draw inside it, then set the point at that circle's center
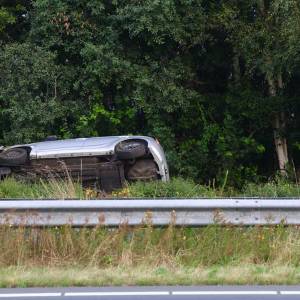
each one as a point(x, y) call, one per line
point(144, 275)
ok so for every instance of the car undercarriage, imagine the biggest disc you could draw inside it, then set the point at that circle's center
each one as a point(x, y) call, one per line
point(130, 161)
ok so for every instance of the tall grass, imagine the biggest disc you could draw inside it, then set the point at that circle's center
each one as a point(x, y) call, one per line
point(177, 187)
point(184, 188)
point(144, 245)
point(278, 188)
point(53, 188)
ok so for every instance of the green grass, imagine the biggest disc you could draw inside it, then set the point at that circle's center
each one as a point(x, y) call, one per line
point(177, 187)
point(12, 188)
point(272, 189)
point(145, 275)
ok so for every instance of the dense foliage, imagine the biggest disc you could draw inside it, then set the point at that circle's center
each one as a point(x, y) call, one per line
point(215, 81)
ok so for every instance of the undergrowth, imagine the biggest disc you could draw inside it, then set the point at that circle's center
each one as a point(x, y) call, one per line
point(145, 245)
point(53, 188)
point(177, 187)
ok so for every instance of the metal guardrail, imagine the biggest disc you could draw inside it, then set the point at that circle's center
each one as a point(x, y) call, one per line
point(159, 212)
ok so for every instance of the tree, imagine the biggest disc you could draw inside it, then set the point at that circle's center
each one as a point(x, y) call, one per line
point(5, 19)
point(215, 81)
point(30, 94)
point(14, 19)
point(263, 33)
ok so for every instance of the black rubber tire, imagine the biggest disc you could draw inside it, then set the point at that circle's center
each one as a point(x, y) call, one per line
point(13, 157)
point(130, 149)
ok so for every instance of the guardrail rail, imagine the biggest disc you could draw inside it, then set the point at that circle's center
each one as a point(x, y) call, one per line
point(158, 212)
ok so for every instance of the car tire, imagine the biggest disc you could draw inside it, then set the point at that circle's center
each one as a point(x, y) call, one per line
point(130, 149)
point(143, 170)
point(14, 157)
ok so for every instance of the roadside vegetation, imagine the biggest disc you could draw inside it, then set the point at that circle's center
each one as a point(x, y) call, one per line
point(177, 187)
point(53, 188)
point(216, 82)
point(145, 255)
point(146, 275)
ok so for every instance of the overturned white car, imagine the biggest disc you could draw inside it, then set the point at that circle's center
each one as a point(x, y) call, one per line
point(105, 161)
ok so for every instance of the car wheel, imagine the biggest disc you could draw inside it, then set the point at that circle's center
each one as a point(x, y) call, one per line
point(130, 149)
point(143, 169)
point(13, 157)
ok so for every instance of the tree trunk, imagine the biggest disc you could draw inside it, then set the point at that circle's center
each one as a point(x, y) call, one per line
point(280, 141)
point(279, 127)
point(283, 122)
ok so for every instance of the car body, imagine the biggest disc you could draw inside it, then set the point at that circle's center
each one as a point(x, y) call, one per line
point(94, 159)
